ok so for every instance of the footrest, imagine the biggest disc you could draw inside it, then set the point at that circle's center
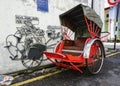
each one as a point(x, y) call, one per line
point(64, 57)
point(55, 55)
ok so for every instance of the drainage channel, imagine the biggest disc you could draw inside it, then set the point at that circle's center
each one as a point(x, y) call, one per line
point(32, 72)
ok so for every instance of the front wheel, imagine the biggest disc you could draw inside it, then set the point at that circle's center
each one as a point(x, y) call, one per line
point(97, 54)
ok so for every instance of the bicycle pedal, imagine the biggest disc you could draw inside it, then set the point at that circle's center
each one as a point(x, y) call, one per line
point(6, 46)
point(14, 58)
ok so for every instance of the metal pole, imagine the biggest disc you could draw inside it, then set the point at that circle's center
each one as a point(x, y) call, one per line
point(115, 40)
point(92, 4)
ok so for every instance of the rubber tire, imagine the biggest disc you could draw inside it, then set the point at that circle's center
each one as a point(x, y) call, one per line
point(89, 71)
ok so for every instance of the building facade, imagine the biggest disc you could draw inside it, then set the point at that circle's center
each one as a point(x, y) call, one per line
point(112, 22)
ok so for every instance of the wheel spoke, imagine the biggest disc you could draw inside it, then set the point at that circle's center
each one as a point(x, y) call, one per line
point(31, 65)
point(97, 52)
point(27, 61)
point(66, 33)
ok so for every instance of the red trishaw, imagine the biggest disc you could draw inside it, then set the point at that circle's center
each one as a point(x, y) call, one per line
point(86, 50)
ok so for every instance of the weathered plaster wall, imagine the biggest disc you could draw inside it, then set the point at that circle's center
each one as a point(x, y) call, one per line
point(10, 8)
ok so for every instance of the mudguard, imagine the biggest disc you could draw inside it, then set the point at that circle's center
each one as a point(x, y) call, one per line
point(87, 48)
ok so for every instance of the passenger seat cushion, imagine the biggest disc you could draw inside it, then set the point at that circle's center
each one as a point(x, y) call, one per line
point(77, 44)
point(68, 42)
point(80, 42)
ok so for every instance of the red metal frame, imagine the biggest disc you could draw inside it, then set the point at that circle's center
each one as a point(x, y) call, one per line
point(93, 30)
point(71, 61)
point(66, 33)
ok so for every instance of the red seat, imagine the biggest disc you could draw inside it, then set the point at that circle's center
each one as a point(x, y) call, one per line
point(77, 45)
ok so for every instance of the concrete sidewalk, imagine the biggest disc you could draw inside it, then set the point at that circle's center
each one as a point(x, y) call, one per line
point(111, 45)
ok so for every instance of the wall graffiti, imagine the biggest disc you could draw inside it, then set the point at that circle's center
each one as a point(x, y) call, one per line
point(28, 41)
point(22, 19)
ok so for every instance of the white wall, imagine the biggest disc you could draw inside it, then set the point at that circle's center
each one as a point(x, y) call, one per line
point(10, 8)
point(106, 4)
point(99, 8)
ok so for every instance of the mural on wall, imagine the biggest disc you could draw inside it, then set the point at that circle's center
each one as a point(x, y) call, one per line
point(22, 19)
point(28, 41)
point(43, 5)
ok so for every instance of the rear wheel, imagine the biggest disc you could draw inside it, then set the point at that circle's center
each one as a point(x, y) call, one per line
point(97, 55)
point(30, 63)
point(33, 56)
point(34, 60)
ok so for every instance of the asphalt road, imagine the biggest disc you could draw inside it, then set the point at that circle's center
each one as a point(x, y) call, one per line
point(109, 76)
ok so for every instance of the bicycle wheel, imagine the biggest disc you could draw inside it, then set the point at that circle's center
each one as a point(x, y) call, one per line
point(30, 62)
point(97, 55)
point(11, 42)
point(33, 55)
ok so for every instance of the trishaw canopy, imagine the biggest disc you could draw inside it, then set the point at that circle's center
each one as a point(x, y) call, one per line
point(74, 18)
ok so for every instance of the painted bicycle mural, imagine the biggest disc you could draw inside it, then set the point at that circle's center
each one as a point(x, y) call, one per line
point(27, 43)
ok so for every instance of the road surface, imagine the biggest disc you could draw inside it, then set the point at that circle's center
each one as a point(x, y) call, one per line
point(109, 76)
